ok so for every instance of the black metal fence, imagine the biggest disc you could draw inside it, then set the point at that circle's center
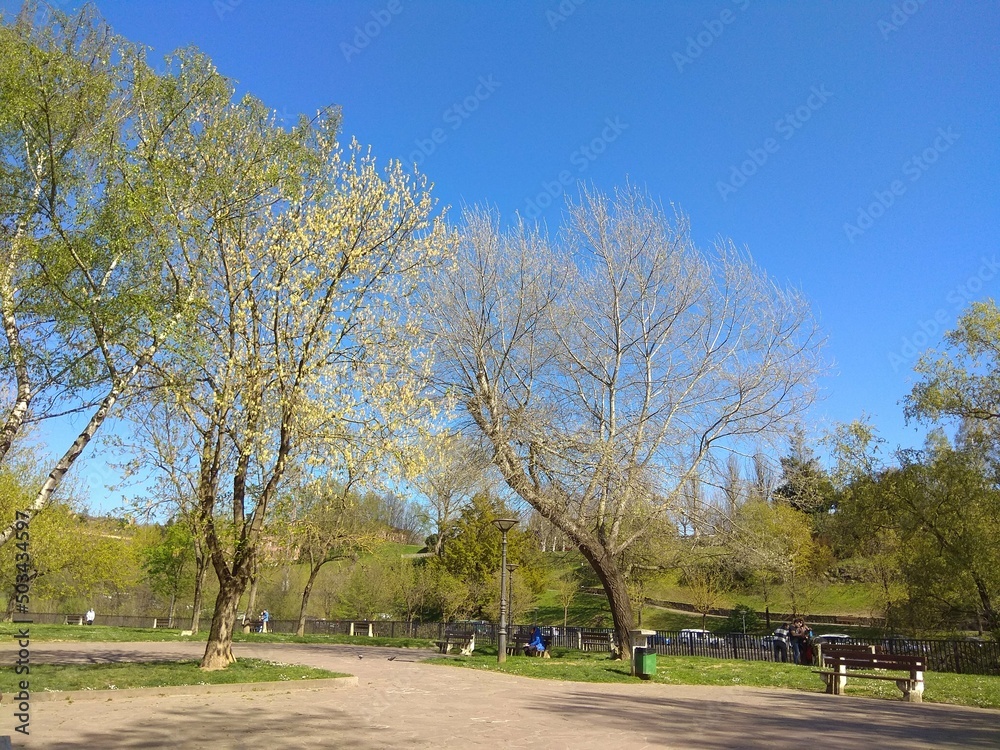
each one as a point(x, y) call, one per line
point(964, 656)
point(121, 621)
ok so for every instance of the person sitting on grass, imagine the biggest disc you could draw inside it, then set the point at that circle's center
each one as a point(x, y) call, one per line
point(536, 646)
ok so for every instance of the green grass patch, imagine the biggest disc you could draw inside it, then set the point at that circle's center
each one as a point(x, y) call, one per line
point(577, 666)
point(356, 640)
point(826, 599)
point(111, 634)
point(592, 610)
point(586, 610)
point(61, 677)
point(655, 618)
point(103, 633)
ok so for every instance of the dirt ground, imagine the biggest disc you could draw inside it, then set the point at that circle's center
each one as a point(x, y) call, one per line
point(404, 703)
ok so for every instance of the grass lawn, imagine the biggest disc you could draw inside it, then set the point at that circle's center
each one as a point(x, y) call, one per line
point(591, 610)
point(829, 599)
point(95, 633)
point(111, 634)
point(357, 640)
point(577, 666)
point(60, 677)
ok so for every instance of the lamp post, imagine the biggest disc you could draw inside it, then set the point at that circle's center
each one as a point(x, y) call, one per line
point(511, 567)
point(505, 525)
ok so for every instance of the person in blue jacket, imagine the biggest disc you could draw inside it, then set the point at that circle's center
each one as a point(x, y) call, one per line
point(536, 646)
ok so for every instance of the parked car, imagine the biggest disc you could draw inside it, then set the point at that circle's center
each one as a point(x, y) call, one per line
point(658, 640)
point(826, 638)
point(904, 646)
point(698, 635)
point(479, 627)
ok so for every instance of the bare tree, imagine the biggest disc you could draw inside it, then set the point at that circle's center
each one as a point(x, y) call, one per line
point(567, 587)
point(734, 486)
point(325, 523)
point(765, 479)
point(606, 372)
point(455, 471)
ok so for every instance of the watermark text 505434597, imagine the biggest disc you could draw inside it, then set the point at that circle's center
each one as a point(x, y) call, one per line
point(22, 600)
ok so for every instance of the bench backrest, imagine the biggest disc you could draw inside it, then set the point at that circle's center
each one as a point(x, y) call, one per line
point(832, 650)
point(880, 661)
point(848, 648)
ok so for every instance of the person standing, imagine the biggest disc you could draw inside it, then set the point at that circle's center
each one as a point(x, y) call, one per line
point(90, 616)
point(780, 643)
point(265, 617)
point(799, 636)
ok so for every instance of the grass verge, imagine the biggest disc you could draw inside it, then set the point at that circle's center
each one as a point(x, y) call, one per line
point(356, 640)
point(577, 666)
point(61, 677)
point(111, 634)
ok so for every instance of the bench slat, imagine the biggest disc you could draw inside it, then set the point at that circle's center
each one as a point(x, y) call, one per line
point(881, 663)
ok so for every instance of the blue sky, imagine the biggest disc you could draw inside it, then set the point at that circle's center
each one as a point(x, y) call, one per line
point(851, 146)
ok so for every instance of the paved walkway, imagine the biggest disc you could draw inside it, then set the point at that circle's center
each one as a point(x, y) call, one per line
point(406, 704)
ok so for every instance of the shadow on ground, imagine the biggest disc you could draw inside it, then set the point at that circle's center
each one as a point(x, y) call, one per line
point(775, 720)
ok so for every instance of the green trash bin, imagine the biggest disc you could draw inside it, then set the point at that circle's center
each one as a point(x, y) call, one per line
point(645, 663)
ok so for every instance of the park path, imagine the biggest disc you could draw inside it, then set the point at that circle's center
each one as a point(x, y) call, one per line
point(404, 703)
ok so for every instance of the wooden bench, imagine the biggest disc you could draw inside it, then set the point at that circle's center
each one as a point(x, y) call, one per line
point(465, 640)
point(75, 619)
point(517, 644)
point(842, 649)
point(838, 667)
point(599, 641)
point(253, 626)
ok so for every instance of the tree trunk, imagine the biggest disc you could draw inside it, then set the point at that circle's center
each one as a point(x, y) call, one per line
point(618, 598)
point(989, 613)
point(301, 629)
point(170, 611)
point(55, 477)
point(218, 651)
point(252, 599)
point(199, 588)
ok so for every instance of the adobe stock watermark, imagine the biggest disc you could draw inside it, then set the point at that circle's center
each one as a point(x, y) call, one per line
point(929, 331)
point(913, 168)
point(786, 127)
point(558, 15)
point(901, 13)
point(223, 7)
point(366, 32)
point(454, 116)
point(581, 158)
point(712, 30)
point(284, 118)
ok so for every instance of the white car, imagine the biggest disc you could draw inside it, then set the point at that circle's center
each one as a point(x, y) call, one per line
point(838, 638)
point(698, 635)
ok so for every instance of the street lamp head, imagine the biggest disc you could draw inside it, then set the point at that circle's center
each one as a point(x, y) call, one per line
point(511, 567)
point(505, 524)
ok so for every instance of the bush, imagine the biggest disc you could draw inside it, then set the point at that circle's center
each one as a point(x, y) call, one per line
point(742, 614)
